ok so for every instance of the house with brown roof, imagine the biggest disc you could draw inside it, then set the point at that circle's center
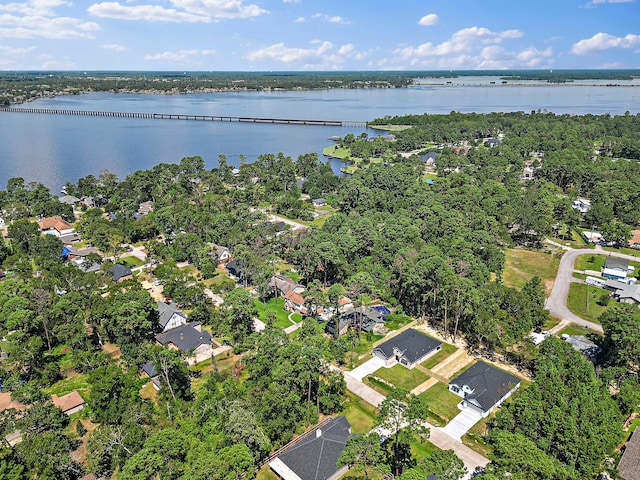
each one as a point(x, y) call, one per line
point(69, 403)
point(284, 284)
point(6, 402)
point(634, 242)
point(294, 302)
point(55, 226)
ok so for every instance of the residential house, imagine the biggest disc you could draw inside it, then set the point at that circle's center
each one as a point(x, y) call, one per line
point(315, 457)
point(69, 239)
point(363, 318)
point(483, 387)
point(582, 205)
point(492, 142)
point(634, 242)
point(629, 465)
point(277, 227)
point(170, 316)
point(408, 348)
point(121, 273)
point(69, 200)
point(294, 302)
point(343, 326)
point(55, 226)
point(593, 237)
point(616, 269)
point(429, 158)
point(318, 202)
point(144, 208)
point(190, 339)
point(582, 344)
point(6, 402)
point(235, 268)
point(284, 285)
point(149, 369)
point(69, 403)
point(344, 304)
point(220, 254)
point(624, 292)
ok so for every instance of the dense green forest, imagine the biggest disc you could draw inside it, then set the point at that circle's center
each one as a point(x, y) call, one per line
point(432, 251)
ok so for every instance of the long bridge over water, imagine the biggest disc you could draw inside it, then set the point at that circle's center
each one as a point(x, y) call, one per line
point(185, 116)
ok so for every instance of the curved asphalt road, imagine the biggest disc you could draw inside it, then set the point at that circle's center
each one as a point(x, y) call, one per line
point(557, 301)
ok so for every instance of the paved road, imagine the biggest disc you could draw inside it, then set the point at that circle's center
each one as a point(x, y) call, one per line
point(293, 224)
point(557, 301)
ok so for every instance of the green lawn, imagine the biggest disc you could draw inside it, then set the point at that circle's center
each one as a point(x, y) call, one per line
point(582, 301)
point(550, 323)
point(434, 360)
point(361, 415)
point(441, 402)
point(336, 152)
point(73, 382)
point(421, 447)
point(401, 377)
point(377, 385)
point(475, 438)
point(131, 261)
point(265, 473)
point(282, 316)
point(590, 262)
point(522, 265)
point(575, 330)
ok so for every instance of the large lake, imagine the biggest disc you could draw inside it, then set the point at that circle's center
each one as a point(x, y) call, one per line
point(54, 149)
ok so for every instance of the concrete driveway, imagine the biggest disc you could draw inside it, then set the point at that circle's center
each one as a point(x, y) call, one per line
point(462, 423)
point(367, 368)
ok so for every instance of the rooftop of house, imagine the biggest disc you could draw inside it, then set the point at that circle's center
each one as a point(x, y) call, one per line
point(68, 401)
point(150, 369)
point(489, 384)
point(412, 343)
point(6, 402)
point(186, 337)
point(616, 263)
point(56, 223)
point(284, 283)
point(629, 466)
point(166, 311)
point(582, 344)
point(120, 271)
point(294, 297)
point(69, 199)
point(315, 457)
point(635, 237)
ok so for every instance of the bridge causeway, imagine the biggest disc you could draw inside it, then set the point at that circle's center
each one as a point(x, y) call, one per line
point(184, 116)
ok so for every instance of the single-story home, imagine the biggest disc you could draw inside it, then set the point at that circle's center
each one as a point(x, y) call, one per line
point(593, 237)
point(634, 242)
point(55, 226)
point(344, 304)
point(492, 142)
point(284, 284)
point(616, 268)
point(145, 207)
point(582, 205)
point(149, 369)
point(483, 387)
point(170, 316)
point(582, 344)
point(69, 403)
point(69, 200)
point(408, 348)
point(629, 465)
point(318, 202)
point(190, 339)
point(429, 158)
point(276, 226)
point(343, 326)
point(121, 273)
point(624, 292)
point(315, 457)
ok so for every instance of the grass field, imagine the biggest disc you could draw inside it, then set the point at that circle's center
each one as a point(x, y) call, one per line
point(575, 330)
point(401, 377)
point(276, 305)
point(434, 360)
point(131, 261)
point(589, 262)
point(360, 414)
point(73, 382)
point(475, 438)
point(522, 265)
point(582, 301)
point(442, 402)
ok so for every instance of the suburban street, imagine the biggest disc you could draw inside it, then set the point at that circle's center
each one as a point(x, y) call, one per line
point(557, 301)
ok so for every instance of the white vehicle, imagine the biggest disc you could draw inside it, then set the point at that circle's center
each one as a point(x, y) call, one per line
point(598, 282)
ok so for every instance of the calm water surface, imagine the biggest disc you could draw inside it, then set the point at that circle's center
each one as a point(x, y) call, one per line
point(55, 149)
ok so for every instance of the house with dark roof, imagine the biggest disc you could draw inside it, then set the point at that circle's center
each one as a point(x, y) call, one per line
point(582, 344)
point(318, 202)
point(629, 466)
point(170, 316)
point(190, 339)
point(483, 387)
point(363, 318)
point(315, 457)
point(408, 348)
point(492, 142)
point(429, 158)
point(343, 326)
point(616, 268)
point(235, 268)
point(121, 273)
point(149, 369)
point(219, 253)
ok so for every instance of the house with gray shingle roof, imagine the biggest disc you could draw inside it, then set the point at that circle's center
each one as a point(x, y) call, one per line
point(315, 457)
point(170, 316)
point(409, 348)
point(483, 387)
point(190, 339)
point(629, 466)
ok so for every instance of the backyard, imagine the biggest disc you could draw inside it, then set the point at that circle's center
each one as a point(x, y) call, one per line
point(276, 305)
point(445, 351)
point(398, 376)
point(360, 414)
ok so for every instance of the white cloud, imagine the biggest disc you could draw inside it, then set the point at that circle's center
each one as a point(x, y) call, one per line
point(429, 20)
point(603, 41)
point(33, 26)
point(300, 20)
point(593, 3)
point(464, 40)
point(185, 11)
point(331, 18)
point(152, 13)
point(9, 51)
point(180, 56)
point(325, 55)
point(34, 7)
point(114, 47)
point(291, 1)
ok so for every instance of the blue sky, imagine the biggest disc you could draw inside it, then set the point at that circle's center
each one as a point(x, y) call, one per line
point(261, 35)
